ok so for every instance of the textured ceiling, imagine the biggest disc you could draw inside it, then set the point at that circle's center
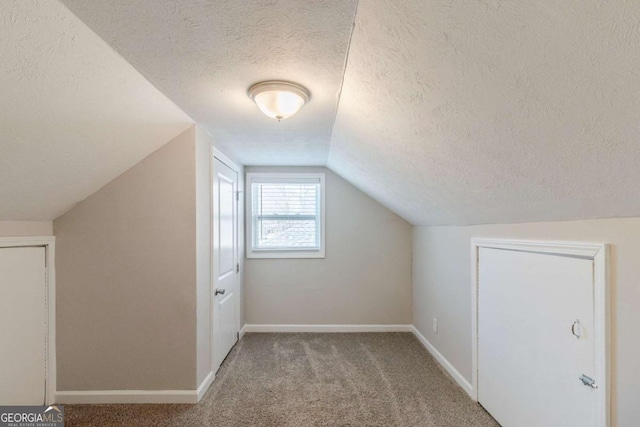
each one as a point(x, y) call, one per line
point(493, 111)
point(204, 55)
point(466, 112)
point(73, 113)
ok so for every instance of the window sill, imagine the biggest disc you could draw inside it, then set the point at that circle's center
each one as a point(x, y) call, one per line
point(266, 254)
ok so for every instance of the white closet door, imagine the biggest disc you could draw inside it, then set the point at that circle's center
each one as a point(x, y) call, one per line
point(529, 360)
point(225, 261)
point(23, 326)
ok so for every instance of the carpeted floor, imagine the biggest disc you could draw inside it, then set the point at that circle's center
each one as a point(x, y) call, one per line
point(385, 379)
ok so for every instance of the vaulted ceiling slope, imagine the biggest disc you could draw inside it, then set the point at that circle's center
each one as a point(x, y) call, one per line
point(492, 111)
point(466, 112)
point(205, 54)
point(73, 113)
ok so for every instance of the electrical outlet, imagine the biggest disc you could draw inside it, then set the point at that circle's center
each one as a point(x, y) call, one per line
point(435, 325)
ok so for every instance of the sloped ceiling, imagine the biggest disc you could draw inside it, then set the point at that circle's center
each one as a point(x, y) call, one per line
point(73, 113)
point(465, 112)
point(469, 112)
point(205, 54)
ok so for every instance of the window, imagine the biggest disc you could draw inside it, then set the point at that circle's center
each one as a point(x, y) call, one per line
point(286, 215)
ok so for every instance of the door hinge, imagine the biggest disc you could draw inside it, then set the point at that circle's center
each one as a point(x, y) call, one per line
point(238, 268)
point(237, 196)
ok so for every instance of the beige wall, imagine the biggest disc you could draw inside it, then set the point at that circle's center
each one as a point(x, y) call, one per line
point(204, 151)
point(442, 288)
point(25, 228)
point(364, 279)
point(126, 279)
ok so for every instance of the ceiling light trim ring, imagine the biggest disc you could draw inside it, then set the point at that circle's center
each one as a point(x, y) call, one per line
point(279, 85)
point(279, 99)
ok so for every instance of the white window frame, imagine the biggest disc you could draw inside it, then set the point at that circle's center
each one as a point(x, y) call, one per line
point(289, 252)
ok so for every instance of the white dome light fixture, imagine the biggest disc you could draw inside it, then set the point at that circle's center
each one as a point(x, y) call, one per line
point(279, 99)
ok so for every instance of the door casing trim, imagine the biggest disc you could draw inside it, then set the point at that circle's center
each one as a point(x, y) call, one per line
point(600, 254)
point(216, 154)
point(49, 243)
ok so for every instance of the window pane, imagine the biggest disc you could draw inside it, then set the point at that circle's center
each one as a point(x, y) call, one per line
point(286, 234)
point(285, 215)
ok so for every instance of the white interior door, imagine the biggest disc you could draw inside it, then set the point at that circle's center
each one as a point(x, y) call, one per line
point(529, 360)
point(225, 260)
point(23, 326)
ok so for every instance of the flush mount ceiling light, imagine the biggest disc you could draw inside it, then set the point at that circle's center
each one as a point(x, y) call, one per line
point(279, 99)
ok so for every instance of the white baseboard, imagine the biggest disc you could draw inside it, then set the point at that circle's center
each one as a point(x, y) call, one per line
point(327, 328)
point(126, 396)
point(457, 376)
point(204, 386)
point(243, 330)
point(135, 396)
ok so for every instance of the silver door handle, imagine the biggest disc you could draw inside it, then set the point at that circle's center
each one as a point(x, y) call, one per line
point(220, 291)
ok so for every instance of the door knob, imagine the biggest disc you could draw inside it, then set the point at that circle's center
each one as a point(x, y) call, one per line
point(219, 291)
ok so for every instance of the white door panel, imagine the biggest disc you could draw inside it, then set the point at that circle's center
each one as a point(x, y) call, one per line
point(225, 259)
point(226, 221)
point(529, 361)
point(23, 326)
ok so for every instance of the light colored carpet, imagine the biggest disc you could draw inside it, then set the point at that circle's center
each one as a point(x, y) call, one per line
point(373, 379)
